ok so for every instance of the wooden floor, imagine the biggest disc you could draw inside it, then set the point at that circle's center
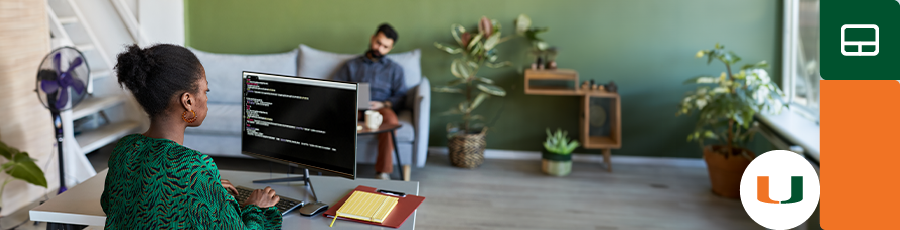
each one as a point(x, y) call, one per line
point(514, 194)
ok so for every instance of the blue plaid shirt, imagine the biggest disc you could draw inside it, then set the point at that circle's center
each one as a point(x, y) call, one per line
point(385, 78)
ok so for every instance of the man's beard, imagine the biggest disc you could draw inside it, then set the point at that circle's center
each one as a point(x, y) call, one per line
point(374, 54)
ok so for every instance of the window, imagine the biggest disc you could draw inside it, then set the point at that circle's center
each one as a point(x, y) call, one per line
point(800, 67)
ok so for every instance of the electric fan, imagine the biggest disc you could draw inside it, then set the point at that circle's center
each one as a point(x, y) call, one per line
point(61, 84)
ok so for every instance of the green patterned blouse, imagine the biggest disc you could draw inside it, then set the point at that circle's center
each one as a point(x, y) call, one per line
point(159, 184)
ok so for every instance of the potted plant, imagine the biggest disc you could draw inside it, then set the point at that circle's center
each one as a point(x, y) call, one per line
point(726, 105)
point(557, 155)
point(544, 53)
point(20, 166)
point(476, 49)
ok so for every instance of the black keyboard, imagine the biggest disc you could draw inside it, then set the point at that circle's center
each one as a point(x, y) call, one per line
point(285, 205)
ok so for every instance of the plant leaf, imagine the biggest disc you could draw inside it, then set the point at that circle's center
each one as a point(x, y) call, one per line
point(492, 89)
point(472, 64)
point(478, 99)
point(492, 41)
point(498, 65)
point(22, 167)
point(6, 151)
point(457, 29)
point(475, 40)
point(522, 23)
point(448, 49)
point(454, 66)
point(453, 111)
point(485, 80)
point(461, 69)
point(446, 89)
point(702, 80)
point(456, 82)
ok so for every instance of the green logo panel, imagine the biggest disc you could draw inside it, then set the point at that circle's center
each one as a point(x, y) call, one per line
point(860, 39)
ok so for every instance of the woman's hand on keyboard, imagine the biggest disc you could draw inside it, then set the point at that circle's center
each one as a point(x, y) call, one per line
point(263, 198)
point(230, 187)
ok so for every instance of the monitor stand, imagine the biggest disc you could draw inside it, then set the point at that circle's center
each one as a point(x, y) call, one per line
point(308, 209)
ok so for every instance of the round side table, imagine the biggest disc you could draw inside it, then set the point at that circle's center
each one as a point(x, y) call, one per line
point(381, 129)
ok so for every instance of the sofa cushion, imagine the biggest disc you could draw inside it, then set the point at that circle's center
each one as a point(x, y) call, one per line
point(223, 71)
point(412, 66)
point(313, 63)
point(225, 119)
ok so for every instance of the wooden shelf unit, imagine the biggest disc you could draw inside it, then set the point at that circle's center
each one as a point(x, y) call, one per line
point(606, 143)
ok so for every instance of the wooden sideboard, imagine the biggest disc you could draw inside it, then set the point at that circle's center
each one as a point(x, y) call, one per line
point(614, 115)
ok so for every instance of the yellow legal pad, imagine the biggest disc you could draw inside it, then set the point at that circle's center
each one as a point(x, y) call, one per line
point(367, 206)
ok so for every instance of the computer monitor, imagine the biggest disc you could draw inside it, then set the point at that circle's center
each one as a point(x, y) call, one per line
point(302, 122)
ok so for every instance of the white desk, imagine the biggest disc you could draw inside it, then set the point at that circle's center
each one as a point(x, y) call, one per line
point(81, 205)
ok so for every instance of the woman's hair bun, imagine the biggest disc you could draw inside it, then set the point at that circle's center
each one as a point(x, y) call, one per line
point(134, 67)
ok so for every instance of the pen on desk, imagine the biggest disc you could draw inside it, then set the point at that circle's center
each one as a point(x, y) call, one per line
point(332, 221)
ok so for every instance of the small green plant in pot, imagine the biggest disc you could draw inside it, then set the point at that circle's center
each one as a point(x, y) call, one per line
point(726, 105)
point(557, 155)
point(20, 166)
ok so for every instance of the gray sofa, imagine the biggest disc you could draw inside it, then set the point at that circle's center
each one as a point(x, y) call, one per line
point(220, 134)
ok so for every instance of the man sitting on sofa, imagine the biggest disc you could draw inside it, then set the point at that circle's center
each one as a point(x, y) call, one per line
point(386, 84)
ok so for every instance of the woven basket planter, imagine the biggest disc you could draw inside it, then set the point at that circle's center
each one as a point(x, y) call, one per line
point(467, 150)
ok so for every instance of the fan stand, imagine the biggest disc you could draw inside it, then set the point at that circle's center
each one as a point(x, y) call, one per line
point(58, 127)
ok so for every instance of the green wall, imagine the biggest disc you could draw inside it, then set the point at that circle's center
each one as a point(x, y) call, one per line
point(646, 46)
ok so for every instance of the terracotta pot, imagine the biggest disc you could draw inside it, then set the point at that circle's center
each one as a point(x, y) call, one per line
point(725, 171)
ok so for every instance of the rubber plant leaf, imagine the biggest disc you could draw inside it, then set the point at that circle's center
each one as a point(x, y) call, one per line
point(478, 99)
point(492, 41)
point(492, 89)
point(475, 40)
point(485, 80)
point(454, 69)
point(456, 30)
point(447, 89)
point(448, 49)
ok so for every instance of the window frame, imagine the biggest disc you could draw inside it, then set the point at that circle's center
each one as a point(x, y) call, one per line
point(790, 53)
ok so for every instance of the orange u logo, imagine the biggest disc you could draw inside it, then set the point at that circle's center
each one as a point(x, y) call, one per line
point(762, 190)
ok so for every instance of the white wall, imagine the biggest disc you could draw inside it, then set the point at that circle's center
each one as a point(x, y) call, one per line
point(162, 21)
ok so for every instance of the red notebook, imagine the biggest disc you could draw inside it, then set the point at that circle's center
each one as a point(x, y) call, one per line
point(405, 208)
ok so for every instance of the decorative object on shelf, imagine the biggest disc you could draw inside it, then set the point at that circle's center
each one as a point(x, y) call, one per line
point(598, 115)
point(467, 140)
point(544, 53)
point(726, 105)
point(557, 155)
point(611, 87)
point(550, 55)
point(60, 86)
point(19, 166)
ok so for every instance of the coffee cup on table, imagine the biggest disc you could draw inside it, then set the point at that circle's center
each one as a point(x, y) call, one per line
point(373, 119)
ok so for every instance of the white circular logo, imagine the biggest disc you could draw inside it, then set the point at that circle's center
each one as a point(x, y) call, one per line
point(780, 189)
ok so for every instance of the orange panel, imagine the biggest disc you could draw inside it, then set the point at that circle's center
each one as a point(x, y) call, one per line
point(860, 121)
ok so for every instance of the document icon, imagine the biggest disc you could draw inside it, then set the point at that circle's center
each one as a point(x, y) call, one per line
point(861, 33)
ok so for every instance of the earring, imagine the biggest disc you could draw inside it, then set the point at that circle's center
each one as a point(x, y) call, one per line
point(189, 120)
